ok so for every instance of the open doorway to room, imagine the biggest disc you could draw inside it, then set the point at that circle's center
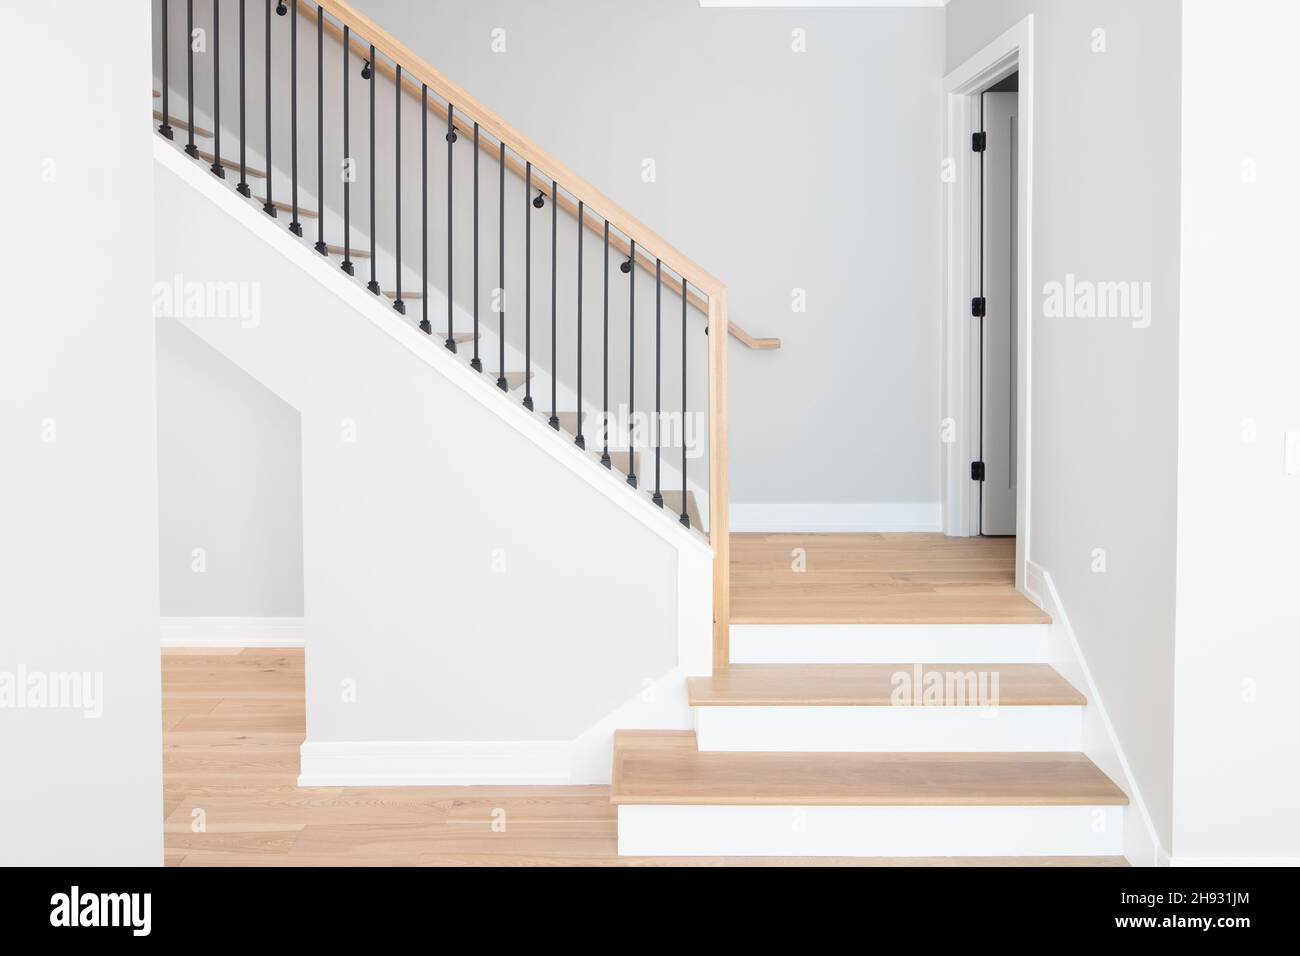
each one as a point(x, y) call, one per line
point(987, 276)
point(995, 190)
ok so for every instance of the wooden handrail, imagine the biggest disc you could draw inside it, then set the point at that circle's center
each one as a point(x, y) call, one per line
point(581, 189)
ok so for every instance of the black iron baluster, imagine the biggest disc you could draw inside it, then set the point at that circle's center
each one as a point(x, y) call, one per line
point(631, 363)
point(451, 141)
point(555, 372)
point(368, 72)
point(348, 167)
point(528, 287)
point(243, 188)
point(164, 125)
point(295, 226)
point(501, 282)
point(268, 207)
point(321, 247)
point(578, 439)
point(476, 363)
point(604, 455)
point(501, 274)
point(190, 148)
point(217, 168)
point(425, 326)
point(658, 422)
point(398, 304)
point(685, 517)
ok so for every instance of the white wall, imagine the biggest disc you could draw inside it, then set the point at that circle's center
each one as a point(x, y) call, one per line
point(1104, 444)
point(1235, 776)
point(462, 579)
point(79, 549)
point(229, 487)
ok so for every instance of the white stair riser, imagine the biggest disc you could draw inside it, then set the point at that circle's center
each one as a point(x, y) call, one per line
point(870, 831)
point(933, 729)
point(889, 643)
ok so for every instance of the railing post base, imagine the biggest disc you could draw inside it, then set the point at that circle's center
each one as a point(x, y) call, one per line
point(373, 286)
point(348, 267)
point(192, 151)
point(322, 248)
point(244, 190)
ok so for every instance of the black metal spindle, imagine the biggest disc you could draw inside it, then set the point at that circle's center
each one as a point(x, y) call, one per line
point(451, 141)
point(164, 125)
point(685, 517)
point(268, 207)
point(321, 247)
point(501, 275)
point(295, 226)
point(243, 187)
point(348, 167)
point(528, 286)
point(631, 365)
point(476, 363)
point(604, 455)
point(555, 372)
point(578, 439)
point(217, 168)
point(190, 148)
point(425, 326)
point(657, 424)
point(369, 71)
point(398, 304)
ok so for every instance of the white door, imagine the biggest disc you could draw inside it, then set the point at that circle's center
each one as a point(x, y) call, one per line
point(997, 446)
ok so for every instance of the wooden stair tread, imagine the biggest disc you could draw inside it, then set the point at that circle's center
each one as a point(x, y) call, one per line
point(181, 124)
point(871, 685)
point(665, 767)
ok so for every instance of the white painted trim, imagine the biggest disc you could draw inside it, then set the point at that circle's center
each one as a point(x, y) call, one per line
point(232, 632)
point(533, 427)
point(685, 830)
point(859, 516)
point(586, 759)
point(904, 729)
point(1013, 50)
point(888, 643)
point(1100, 742)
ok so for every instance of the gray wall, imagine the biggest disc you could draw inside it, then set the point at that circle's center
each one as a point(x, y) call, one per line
point(229, 484)
point(79, 558)
point(1106, 207)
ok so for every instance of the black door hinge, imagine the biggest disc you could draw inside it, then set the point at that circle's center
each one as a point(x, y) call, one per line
point(978, 306)
point(977, 471)
point(979, 141)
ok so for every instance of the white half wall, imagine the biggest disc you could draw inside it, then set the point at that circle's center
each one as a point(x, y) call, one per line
point(80, 782)
point(468, 578)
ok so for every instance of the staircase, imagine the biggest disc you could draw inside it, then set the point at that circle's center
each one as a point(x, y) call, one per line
point(824, 745)
point(895, 701)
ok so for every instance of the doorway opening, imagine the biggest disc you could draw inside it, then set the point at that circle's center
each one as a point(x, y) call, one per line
point(988, 133)
point(995, 420)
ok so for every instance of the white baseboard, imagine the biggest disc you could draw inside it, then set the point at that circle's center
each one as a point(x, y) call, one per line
point(1235, 861)
point(852, 517)
point(587, 759)
point(1100, 742)
point(232, 632)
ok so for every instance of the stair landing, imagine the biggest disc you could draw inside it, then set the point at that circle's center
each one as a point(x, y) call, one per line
point(876, 579)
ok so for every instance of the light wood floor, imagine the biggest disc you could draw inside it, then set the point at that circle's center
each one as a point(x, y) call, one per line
point(876, 579)
point(232, 723)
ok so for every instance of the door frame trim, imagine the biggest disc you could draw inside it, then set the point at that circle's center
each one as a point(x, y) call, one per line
point(1011, 51)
